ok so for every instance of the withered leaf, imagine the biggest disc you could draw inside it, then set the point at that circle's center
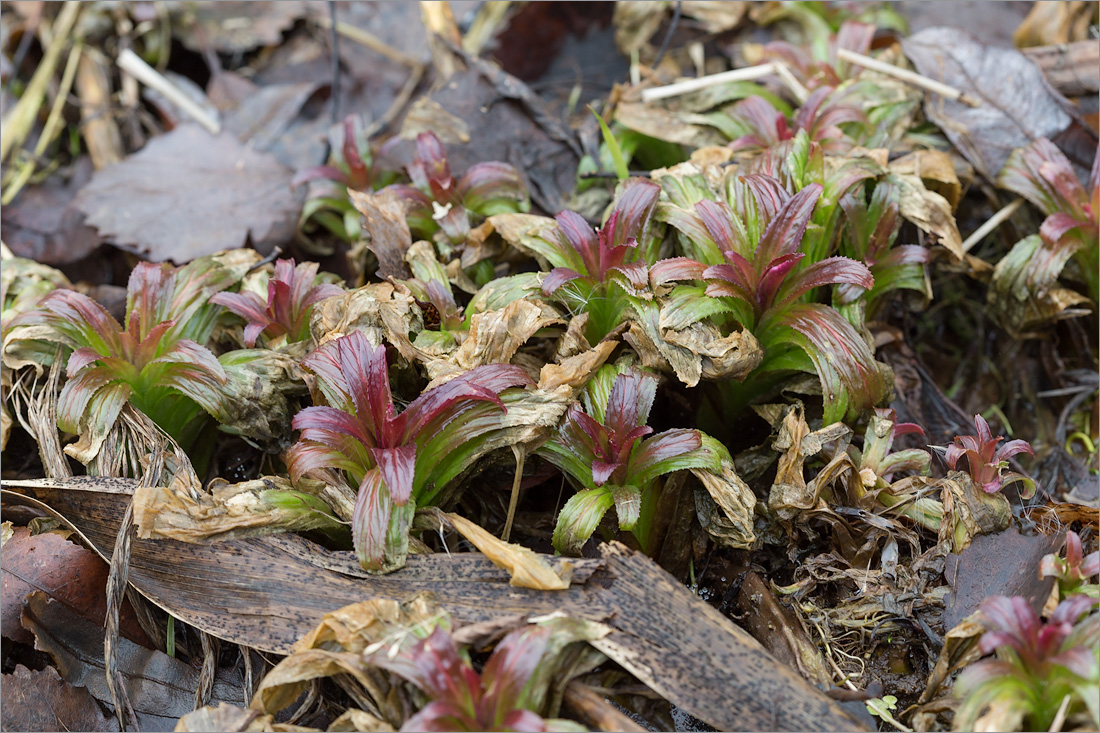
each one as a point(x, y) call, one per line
point(167, 685)
point(1017, 104)
point(188, 194)
point(385, 221)
point(43, 225)
point(528, 570)
point(1001, 564)
point(63, 570)
point(41, 700)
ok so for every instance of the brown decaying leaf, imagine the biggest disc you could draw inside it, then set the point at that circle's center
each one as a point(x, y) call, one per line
point(42, 223)
point(383, 311)
point(930, 211)
point(267, 592)
point(968, 511)
point(699, 351)
point(780, 630)
point(188, 194)
point(790, 493)
point(725, 506)
point(389, 238)
point(494, 338)
point(1002, 564)
point(41, 700)
point(186, 513)
point(159, 687)
point(1017, 104)
point(67, 573)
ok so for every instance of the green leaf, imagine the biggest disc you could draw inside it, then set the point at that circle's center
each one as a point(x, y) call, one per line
point(579, 518)
point(621, 169)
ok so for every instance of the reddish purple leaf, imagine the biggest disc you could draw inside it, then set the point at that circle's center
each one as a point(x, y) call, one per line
point(398, 467)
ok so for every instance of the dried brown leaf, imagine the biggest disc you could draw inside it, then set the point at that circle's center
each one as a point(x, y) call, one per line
point(725, 506)
point(790, 493)
point(575, 371)
point(41, 700)
point(1017, 105)
point(188, 194)
point(160, 687)
point(699, 351)
point(384, 220)
point(64, 571)
point(930, 211)
point(383, 311)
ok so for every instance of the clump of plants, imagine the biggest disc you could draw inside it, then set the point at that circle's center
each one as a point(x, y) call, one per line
point(1040, 668)
point(396, 461)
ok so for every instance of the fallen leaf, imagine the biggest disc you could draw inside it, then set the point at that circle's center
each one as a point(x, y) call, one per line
point(497, 107)
point(270, 120)
point(188, 194)
point(267, 592)
point(1017, 105)
point(67, 572)
point(1002, 564)
point(42, 223)
point(41, 700)
point(160, 688)
point(232, 27)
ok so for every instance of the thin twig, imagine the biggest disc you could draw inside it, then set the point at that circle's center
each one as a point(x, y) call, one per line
point(800, 92)
point(1060, 716)
point(994, 221)
point(133, 65)
point(668, 34)
point(910, 77)
point(365, 38)
point(750, 73)
point(335, 63)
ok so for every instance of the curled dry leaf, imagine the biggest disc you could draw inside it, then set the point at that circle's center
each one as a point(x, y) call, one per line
point(188, 194)
point(211, 719)
point(528, 570)
point(494, 338)
point(790, 493)
point(930, 211)
point(575, 371)
point(725, 506)
point(230, 511)
point(384, 312)
point(699, 351)
point(336, 645)
point(384, 220)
